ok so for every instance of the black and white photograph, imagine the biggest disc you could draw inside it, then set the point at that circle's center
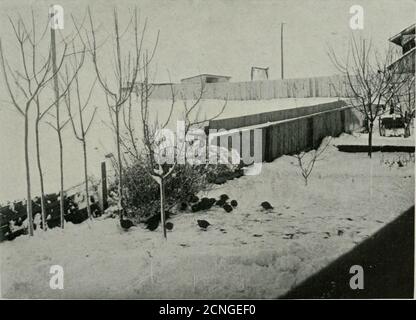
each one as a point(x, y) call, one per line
point(200, 150)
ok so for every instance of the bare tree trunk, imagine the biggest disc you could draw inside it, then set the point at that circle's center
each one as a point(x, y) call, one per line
point(370, 139)
point(61, 172)
point(162, 207)
point(42, 188)
point(120, 165)
point(58, 126)
point(84, 148)
point(29, 196)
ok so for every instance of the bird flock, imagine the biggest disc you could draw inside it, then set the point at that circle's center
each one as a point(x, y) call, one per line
point(195, 204)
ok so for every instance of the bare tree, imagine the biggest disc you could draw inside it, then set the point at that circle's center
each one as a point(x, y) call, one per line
point(126, 70)
point(83, 127)
point(306, 159)
point(28, 80)
point(156, 167)
point(372, 80)
point(84, 124)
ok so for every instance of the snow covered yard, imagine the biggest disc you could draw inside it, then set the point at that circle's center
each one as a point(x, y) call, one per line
point(248, 253)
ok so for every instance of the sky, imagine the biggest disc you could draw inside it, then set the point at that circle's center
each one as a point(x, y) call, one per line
point(229, 36)
point(225, 37)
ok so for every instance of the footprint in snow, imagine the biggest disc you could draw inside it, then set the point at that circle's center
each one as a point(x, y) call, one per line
point(289, 236)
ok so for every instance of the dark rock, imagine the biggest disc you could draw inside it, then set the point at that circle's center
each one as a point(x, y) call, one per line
point(227, 207)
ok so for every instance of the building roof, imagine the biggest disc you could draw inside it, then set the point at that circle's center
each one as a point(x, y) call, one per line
point(206, 75)
point(261, 68)
point(397, 39)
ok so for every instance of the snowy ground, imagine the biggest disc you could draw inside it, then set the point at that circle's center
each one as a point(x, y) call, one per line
point(256, 255)
point(394, 139)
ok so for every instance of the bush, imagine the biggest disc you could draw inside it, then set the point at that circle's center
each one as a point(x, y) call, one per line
point(141, 192)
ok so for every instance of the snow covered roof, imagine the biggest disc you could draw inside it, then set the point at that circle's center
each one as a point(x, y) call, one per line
point(404, 36)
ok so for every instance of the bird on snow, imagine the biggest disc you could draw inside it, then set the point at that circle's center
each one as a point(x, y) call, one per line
point(193, 198)
point(183, 206)
point(196, 207)
point(220, 202)
point(227, 207)
point(153, 222)
point(224, 197)
point(169, 226)
point(205, 204)
point(126, 224)
point(266, 205)
point(203, 224)
point(234, 203)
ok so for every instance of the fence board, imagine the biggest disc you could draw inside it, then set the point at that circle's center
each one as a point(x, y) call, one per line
point(331, 86)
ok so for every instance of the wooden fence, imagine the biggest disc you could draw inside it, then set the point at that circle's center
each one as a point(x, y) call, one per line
point(273, 116)
point(290, 136)
point(331, 86)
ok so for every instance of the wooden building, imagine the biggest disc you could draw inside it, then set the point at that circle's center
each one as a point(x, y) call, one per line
point(206, 78)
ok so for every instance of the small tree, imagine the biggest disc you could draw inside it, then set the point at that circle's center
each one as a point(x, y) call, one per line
point(29, 80)
point(83, 126)
point(372, 81)
point(306, 160)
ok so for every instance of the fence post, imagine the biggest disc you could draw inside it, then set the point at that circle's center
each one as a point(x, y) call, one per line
point(268, 156)
point(343, 121)
point(310, 133)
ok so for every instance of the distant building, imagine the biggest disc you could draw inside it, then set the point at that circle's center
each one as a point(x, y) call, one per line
point(206, 78)
point(406, 40)
point(258, 73)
